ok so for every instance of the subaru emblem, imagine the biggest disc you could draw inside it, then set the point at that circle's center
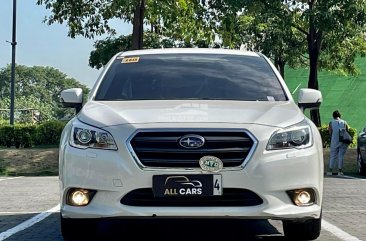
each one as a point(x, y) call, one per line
point(192, 141)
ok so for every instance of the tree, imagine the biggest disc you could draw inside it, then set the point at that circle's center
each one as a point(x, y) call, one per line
point(37, 87)
point(27, 109)
point(91, 18)
point(333, 30)
point(271, 36)
point(106, 49)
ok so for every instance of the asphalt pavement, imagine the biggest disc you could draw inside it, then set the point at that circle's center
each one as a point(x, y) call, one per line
point(29, 211)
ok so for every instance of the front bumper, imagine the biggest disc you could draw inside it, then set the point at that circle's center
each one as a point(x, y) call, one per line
point(269, 174)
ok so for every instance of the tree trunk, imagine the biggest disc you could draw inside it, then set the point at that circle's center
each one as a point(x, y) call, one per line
point(280, 65)
point(313, 75)
point(154, 28)
point(282, 69)
point(138, 25)
point(313, 83)
point(314, 45)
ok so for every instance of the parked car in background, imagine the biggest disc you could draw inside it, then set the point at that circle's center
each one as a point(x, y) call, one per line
point(361, 152)
point(191, 133)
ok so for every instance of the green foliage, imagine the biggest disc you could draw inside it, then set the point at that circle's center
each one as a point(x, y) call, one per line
point(324, 35)
point(182, 20)
point(332, 31)
point(38, 88)
point(49, 133)
point(29, 135)
point(87, 18)
point(272, 36)
point(24, 135)
point(353, 133)
point(6, 135)
point(19, 135)
point(324, 132)
point(26, 107)
point(107, 48)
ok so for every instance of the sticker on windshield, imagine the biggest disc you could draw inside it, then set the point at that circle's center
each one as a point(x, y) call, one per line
point(129, 60)
point(270, 98)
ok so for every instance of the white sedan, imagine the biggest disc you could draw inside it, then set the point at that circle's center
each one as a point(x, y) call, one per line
point(191, 133)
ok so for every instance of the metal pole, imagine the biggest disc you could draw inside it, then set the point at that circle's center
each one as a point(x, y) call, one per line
point(13, 45)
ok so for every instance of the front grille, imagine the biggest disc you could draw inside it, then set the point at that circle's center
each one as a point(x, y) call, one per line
point(232, 197)
point(162, 149)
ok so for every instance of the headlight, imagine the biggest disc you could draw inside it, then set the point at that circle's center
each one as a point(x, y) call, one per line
point(296, 136)
point(84, 136)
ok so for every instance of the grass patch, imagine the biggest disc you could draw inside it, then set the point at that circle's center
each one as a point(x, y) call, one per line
point(29, 162)
point(30, 148)
point(45, 147)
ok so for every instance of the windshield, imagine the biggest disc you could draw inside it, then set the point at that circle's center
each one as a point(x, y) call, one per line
point(190, 76)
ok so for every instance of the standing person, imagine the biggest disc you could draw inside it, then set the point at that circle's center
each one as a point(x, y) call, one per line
point(337, 149)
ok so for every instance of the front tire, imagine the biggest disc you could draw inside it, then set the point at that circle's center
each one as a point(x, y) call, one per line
point(307, 230)
point(360, 164)
point(72, 229)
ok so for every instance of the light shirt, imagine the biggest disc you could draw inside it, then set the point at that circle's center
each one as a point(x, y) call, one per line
point(336, 125)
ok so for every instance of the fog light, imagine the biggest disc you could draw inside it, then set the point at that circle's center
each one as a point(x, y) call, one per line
point(302, 197)
point(79, 197)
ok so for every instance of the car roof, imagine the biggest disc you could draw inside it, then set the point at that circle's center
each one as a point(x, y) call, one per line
point(187, 51)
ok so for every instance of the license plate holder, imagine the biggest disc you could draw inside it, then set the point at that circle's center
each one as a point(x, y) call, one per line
point(187, 185)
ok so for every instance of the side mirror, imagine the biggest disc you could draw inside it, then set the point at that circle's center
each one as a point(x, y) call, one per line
point(309, 99)
point(72, 98)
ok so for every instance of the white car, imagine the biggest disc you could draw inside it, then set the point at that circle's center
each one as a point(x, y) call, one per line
point(191, 133)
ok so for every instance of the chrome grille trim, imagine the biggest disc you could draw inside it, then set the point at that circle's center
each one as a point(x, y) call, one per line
point(191, 130)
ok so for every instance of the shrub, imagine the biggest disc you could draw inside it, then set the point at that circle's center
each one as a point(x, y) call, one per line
point(24, 135)
point(49, 133)
point(326, 137)
point(353, 133)
point(6, 135)
point(28, 135)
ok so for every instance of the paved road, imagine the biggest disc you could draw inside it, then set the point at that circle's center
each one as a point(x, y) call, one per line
point(23, 198)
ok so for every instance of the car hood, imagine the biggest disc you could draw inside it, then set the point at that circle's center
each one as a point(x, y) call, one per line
point(272, 113)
